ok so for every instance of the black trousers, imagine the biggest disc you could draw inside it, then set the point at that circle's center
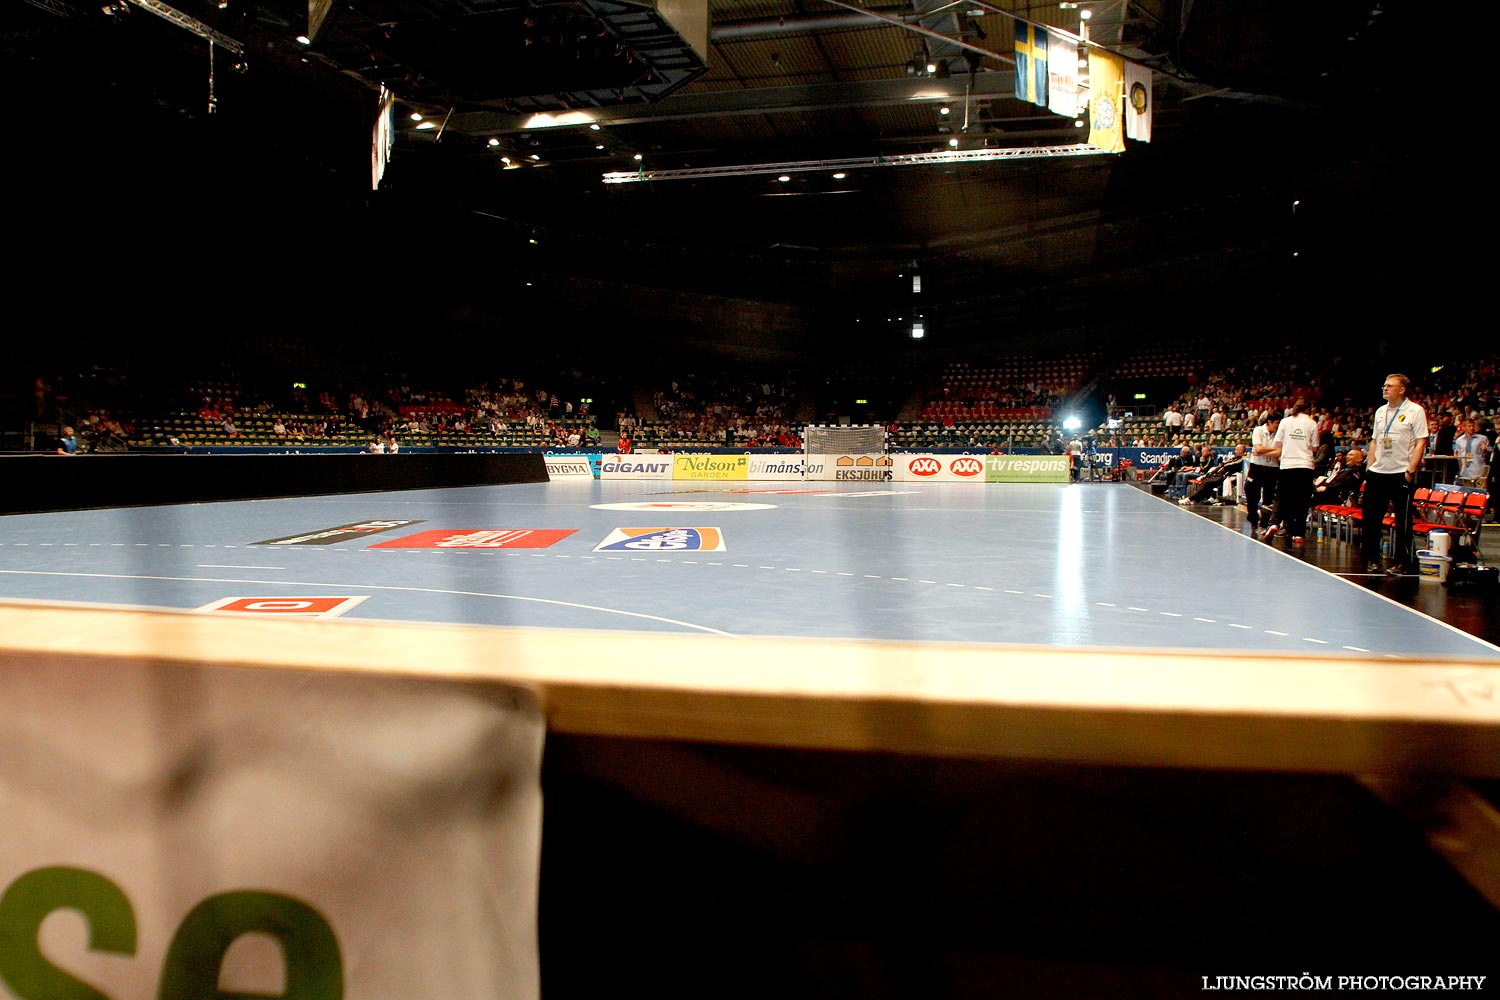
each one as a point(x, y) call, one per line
point(1260, 493)
point(1385, 490)
point(1294, 495)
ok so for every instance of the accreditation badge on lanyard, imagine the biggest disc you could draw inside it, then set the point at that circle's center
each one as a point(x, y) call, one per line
point(1385, 441)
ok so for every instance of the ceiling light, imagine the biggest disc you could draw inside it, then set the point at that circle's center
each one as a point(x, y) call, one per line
point(494, 141)
point(594, 126)
point(535, 156)
point(638, 157)
point(545, 120)
point(1085, 13)
point(931, 68)
point(427, 125)
point(599, 146)
point(416, 116)
point(839, 176)
point(784, 178)
point(504, 159)
point(953, 142)
point(943, 109)
point(1078, 123)
point(304, 39)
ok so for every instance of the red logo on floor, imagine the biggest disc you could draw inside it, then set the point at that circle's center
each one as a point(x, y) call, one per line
point(479, 538)
point(297, 607)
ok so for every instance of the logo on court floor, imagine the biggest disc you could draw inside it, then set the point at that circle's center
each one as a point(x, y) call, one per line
point(330, 535)
point(479, 538)
point(695, 505)
point(286, 607)
point(663, 540)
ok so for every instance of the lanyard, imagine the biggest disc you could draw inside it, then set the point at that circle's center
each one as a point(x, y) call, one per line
point(1392, 418)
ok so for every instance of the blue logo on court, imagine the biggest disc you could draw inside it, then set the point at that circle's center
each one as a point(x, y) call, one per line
point(663, 540)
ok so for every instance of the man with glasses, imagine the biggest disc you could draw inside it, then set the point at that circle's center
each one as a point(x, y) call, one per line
point(1397, 441)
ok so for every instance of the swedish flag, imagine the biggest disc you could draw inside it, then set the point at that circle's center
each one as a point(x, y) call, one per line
point(1031, 63)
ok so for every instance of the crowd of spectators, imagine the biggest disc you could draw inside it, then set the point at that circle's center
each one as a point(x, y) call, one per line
point(736, 411)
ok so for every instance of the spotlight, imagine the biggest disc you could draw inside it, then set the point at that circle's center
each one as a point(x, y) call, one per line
point(599, 146)
point(638, 157)
point(943, 109)
point(1085, 13)
point(953, 142)
point(416, 116)
point(304, 40)
point(784, 178)
point(840, 176)
point(931, 68)
point(594, 126)
point(494, 141)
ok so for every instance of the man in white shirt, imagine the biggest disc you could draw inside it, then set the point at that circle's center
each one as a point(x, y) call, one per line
point(1473, 451)
point(1261, 472)
point(1293, 447)
point(1397, 441)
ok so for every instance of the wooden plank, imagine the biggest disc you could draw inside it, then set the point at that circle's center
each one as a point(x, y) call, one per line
point(1132, 707)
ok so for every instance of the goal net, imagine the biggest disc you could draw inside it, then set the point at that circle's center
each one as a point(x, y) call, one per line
point(844, 439)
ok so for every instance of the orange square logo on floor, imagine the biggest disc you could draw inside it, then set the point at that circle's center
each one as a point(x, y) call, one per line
point(294, 607)
point(479, 538)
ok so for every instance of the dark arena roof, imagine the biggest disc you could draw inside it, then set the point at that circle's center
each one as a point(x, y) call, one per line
point(165, 183)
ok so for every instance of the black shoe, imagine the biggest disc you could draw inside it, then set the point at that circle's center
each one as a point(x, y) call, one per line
point(1372, 567)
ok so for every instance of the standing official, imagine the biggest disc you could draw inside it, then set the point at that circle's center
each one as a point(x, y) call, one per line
point(1261, 472)
point(1295, 441)
point(1397, 440)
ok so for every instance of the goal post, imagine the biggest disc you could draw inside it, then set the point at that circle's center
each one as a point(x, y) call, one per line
point(844, 439)
point(845, 452)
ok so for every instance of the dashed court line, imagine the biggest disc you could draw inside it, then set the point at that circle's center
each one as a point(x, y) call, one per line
point(687, 562)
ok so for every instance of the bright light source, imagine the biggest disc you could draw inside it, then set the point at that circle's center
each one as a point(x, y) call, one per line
point(594, 126)
point(932, 67)
point(953, 142)
point(840, 176)
point(1071, 423)
point(494, 142)
point(599, 146)
point(1078, 123)
point(638, 157)
point(504, 159)
point(416, 116)
point(918, 331)
point(784, 178)
point(304, 39)
point(943, 109)
point(916, 284)
point(1085, 13)
point(545, 120)
point(427, 125)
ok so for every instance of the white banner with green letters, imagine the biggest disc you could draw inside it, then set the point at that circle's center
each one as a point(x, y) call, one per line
point(177, 833)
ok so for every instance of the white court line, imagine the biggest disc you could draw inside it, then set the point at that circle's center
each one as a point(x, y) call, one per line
point(228, 566)
point(367, 586)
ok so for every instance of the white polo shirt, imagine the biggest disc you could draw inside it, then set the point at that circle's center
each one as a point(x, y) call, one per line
point(1261, 436)
point(1298, 436)
point(1395, 433)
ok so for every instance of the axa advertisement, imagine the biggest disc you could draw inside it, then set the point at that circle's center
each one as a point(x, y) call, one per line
point(981, 468)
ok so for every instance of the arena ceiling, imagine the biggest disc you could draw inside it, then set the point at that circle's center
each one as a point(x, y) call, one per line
point(1259, 104)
